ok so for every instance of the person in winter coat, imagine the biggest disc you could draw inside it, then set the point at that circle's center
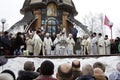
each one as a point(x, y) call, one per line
point(99, 74)
point(116, 74)
point(119, 47)
point(7, 75)
point(6, 43)
point(19, 44)
point(99, 65)
point(64, 72)
point(46, 70)
point(76, 69)
point(87, 71)
point(28, 72)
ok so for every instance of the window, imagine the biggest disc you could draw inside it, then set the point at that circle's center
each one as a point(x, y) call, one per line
point(51, 26)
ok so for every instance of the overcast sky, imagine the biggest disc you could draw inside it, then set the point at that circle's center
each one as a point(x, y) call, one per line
point(10, 9)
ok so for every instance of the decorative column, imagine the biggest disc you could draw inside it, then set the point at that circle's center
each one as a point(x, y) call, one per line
point(64, 21)
point(38, 21)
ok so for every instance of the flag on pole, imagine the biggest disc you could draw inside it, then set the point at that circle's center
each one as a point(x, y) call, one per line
point(107, 22)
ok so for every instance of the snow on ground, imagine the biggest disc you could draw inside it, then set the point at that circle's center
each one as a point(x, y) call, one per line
point(16, 64)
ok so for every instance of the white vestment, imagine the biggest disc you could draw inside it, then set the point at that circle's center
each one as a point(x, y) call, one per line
point(63, 45)
point(37, 44)
point(89, 46)
point(71, 43)
point(82, 46)
point(48, 43)
point(57, 46)
point(94, 46)
point(29, 45)
point(107, 47)
point(101, 46)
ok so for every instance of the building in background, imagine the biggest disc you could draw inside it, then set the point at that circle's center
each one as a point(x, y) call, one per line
point(48, 15)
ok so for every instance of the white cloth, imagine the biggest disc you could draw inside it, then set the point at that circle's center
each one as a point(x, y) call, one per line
point(48, 43)
point(29, 45)
point(57, 46)
point(37, 44)
point(107, 47)
point(87, 46)
point(82, 46)
point(94, 45)
point(71, 44)
point(101, 46)
point(63, 45)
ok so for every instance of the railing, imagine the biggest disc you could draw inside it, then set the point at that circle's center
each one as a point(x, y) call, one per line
point(71, 56)
point(79, 24)
point(28, 27)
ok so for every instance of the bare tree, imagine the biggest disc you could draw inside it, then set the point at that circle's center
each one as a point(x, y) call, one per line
point(94, 22)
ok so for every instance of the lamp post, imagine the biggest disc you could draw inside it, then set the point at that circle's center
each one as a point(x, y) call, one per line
point(3, 22)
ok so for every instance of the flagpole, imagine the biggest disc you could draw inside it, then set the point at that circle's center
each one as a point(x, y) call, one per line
point(111, 25)
point(111, 33)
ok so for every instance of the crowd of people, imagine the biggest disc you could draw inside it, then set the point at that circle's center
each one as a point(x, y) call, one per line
point(40, 43)
point(65, 71)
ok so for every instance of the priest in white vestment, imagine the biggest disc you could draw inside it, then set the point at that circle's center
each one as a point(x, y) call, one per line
point(107, 45)
point(37, 42)
point(47, 44)
point(101, 45)
point(71, 44)
point(94, 46)
point(57, 44)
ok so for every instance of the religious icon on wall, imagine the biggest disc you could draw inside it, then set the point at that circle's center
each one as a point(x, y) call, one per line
point(51, 10)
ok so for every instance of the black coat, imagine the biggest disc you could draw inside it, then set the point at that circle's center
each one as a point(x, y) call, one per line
point(27, 75)
point(86, 77)
point(19, 42)
point(5, 42)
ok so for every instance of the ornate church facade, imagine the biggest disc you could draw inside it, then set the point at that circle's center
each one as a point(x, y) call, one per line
point(48, 15)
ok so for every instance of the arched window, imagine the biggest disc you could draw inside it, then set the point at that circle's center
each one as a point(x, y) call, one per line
point(51, 26)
